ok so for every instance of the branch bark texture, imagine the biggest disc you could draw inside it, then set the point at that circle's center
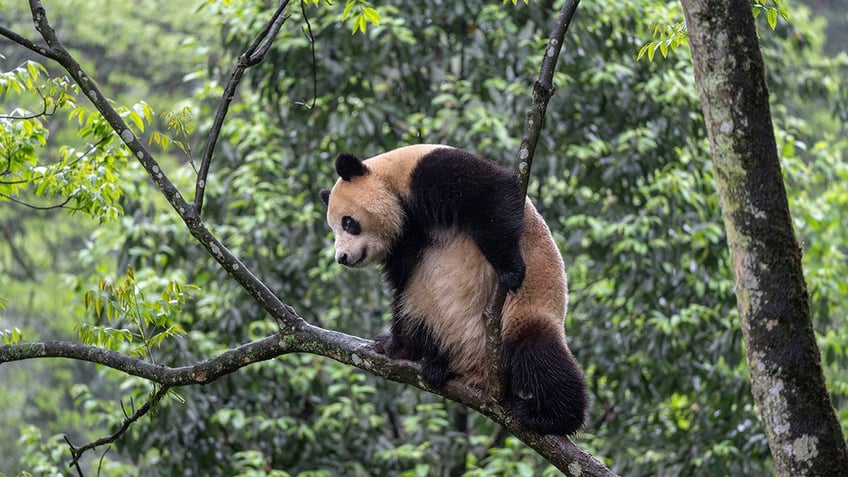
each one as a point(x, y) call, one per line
point(787, 381)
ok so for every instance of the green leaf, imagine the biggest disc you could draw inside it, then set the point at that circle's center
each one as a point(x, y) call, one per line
point(371, 15)
point(12, 336)
point(772, 18)
point(348, 7)
point(642, 51)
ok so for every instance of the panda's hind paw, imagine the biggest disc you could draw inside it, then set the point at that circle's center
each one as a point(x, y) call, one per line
point(435, 375)
point(436, 370)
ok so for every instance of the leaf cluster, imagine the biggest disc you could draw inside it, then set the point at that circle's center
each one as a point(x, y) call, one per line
point(666, 37)
point(81, 178)
point(146, 323)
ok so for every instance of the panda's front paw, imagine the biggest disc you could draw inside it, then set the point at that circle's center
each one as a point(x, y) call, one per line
point(389, 345)
point(513, 278)
point(382, 344)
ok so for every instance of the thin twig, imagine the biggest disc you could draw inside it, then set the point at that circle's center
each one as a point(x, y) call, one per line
point(74, 462)
point(251, 57)
point(38, 207)
point(310, 37)
point(77, 452)
point(100, 463)
point(43, 112)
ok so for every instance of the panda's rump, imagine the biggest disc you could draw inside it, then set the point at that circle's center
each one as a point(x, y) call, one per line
point(448, 292)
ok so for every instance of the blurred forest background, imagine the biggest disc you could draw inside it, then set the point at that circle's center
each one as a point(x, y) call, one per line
point(622, 176)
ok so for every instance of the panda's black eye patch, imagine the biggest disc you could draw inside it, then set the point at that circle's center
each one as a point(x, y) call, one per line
point(350, 225)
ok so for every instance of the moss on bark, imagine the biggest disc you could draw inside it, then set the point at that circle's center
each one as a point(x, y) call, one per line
point(784, 361)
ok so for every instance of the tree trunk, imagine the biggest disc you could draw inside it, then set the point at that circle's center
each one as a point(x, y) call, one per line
point(803, 432)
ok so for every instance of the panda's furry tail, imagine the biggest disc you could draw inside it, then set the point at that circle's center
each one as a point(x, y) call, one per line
point(544, 384)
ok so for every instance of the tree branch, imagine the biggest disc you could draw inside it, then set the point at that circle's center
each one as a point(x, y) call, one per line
point(28, 44)
point(542, 92)
point(44, 112)
point(254, 54)
point(15, 200)
point(310, 37)
point(341, 347)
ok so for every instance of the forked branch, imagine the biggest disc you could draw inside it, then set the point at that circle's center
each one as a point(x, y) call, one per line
point(78, 451)
point(254, 54)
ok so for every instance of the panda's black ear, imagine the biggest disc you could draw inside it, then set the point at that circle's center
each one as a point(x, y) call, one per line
point(348, 165)
point(325, 196)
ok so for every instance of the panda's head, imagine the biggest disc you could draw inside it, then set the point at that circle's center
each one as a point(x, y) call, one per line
point(365, 215)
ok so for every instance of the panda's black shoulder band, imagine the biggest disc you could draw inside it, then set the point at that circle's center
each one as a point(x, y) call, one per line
point(348, 165)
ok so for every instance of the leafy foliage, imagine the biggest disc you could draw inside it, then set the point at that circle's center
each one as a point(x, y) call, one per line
point(85, 177)
point(363, 15)
point(668, 37)
point(150, 321)
point(771, 12)
point(12, 336)
point(182, 123)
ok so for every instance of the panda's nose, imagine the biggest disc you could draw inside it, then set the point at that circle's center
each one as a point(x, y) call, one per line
point(342, 259)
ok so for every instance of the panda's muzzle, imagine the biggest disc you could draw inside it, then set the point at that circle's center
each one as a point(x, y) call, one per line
point(345, 259)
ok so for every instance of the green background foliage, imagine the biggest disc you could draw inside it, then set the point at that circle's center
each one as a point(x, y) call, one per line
point(622, 176)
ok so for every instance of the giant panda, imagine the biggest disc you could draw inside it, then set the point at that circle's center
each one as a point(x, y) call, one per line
point(447, 225)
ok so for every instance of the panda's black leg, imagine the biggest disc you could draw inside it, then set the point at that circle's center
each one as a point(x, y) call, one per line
point(435, 362)
point(435, 366)
point(496, 224)
point(416, 343)
point(401, 342)
point(508, 263)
